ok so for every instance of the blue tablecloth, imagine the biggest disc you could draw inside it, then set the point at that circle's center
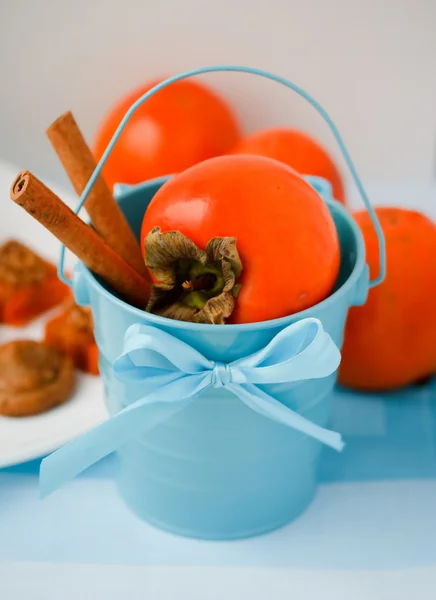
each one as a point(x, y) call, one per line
point(375, 508)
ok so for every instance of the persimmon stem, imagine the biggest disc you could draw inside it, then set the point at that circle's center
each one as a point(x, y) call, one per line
point(194, 285)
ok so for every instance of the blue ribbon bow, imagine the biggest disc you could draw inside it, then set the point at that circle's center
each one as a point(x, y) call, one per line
point(174, 374)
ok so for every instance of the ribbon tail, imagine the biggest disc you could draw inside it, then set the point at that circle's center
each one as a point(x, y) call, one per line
point(69, 461)
point(266, 405)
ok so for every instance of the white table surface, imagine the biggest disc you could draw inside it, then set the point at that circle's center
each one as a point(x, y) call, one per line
point(59, 549)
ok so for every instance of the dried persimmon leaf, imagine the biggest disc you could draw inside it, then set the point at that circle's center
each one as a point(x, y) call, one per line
point(224, 248)
point(216, 310)
point(164, 251)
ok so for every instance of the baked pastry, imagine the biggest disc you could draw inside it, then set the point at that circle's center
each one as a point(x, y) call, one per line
point(72, 333)
point(29, 285)
point(34, 377)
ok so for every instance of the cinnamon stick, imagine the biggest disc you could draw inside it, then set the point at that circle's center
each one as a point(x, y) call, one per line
point(106, 216)
point(47, 208)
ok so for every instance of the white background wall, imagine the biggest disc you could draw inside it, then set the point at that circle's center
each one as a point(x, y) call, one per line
point(371, 63)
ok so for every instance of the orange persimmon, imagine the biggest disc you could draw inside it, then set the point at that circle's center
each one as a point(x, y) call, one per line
point(71, 332)
point(285, 236)
point(296, 149)
point(176, 128)
point(29, 285)
point(391, 341)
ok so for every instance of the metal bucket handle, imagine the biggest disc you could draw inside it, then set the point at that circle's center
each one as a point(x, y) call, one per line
point(267, 75)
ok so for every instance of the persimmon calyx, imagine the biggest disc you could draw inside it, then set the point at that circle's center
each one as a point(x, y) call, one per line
point(194, 285)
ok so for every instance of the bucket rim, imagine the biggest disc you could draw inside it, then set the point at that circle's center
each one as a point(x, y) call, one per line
point(280, 322)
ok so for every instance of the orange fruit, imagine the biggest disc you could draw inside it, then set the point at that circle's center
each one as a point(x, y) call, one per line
point(176, 128)
point(391, 341)
point(286, 237)
point(296, 149)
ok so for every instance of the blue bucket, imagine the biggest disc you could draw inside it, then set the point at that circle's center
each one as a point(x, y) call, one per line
point(216, 468)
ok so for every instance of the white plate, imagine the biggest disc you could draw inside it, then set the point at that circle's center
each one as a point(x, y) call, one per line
point(23, 439)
